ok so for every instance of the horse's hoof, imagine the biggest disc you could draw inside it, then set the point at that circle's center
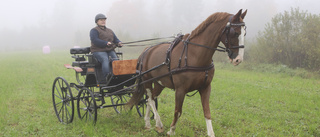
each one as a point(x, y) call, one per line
point(159, 129)
point(147, 128)
point(169, 133)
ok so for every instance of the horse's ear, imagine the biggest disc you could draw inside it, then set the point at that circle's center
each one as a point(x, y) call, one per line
point(244, 14)
point(236, 18)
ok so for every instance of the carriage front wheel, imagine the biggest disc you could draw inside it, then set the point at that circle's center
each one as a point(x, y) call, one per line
point(62, 100)
point(86, 105)
point(119, 102)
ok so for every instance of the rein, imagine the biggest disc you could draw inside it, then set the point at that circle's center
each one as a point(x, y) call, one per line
point(146, 40)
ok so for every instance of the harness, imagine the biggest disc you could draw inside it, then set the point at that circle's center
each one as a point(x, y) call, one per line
point(228, 28)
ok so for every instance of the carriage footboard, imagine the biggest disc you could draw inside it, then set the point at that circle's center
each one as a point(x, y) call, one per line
point(77, 69)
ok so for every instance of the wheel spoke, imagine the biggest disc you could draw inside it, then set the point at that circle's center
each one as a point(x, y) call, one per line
point(58, 96)
point(60, 109)
point(66, 111)
point(58, 91)
point(62, 112)
point(90, 115)
point(58, 103)
point(84, 102)
point(68, 104)
point(125, 99)
point(59, 84)
point(84, 114)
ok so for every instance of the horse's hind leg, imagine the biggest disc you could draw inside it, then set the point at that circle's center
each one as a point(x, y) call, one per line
point(179, 98)
point(156, 92)
point(147, 115)
point(205, 96)
point(151, 103)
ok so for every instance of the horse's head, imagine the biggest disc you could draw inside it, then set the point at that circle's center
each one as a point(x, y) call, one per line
point(233, 37)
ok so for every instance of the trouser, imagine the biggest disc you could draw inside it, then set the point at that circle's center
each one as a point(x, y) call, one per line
point(103, 58)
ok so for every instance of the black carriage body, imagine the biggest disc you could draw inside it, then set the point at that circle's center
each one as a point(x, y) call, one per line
point(93, 71)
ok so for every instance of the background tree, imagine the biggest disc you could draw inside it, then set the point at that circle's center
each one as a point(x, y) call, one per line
point(291, 38)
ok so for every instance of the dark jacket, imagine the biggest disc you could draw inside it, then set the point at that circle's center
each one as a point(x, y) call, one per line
point(100, 37)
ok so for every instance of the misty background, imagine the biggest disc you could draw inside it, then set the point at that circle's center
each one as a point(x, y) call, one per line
point(63, 24)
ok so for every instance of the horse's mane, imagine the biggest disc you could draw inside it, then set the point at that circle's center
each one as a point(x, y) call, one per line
point(212, 18)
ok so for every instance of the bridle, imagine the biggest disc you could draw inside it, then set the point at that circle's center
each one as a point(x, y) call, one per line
point(228, 29)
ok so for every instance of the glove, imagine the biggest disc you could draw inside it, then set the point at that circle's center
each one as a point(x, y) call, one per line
point(120, 44)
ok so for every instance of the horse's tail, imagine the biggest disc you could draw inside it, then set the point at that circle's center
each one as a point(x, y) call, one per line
point(139, 91)
point(136, 96)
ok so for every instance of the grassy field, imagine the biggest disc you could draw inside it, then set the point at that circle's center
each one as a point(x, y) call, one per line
point(243, 103)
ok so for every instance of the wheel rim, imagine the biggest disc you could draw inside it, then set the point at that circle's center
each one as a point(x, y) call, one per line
point(119, 101)
point(62, 100)
point(86, 106)
point(141, 107)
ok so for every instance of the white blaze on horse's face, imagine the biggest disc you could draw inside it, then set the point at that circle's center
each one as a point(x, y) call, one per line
point(239, 58)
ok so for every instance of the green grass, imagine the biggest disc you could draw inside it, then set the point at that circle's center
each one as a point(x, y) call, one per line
point(245, 101)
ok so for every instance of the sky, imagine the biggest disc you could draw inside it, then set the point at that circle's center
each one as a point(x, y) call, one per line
point(138, 18)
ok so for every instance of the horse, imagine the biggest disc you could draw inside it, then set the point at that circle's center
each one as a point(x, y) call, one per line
point(187, 65)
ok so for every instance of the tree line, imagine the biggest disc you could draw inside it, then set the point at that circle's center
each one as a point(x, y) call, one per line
point(291, 38)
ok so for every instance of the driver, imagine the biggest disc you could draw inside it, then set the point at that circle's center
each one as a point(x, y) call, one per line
point(103, 43)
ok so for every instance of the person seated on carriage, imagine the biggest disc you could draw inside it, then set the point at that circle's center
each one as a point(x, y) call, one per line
point(103, 43)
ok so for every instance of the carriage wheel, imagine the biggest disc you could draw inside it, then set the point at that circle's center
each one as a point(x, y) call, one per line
point(86, 105)
point(62, 100)
point(141, 107)
point(119, 101)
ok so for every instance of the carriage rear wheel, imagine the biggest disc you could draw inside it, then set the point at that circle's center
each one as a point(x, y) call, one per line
point(62, 100)
point(86, 105)
point(119, 102)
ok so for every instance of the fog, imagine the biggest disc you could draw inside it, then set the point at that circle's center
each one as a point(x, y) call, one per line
point(62, 24)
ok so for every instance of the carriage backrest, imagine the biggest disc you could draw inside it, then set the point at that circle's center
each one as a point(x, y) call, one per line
point(85, 50)
point(83, 57)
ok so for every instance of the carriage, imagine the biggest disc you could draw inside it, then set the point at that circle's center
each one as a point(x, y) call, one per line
point(90, 91)
point(184, 65)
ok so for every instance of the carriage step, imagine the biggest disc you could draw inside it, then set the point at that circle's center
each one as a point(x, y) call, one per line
point(75, 85)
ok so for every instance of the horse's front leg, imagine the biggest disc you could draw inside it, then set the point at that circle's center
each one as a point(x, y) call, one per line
point(179, 98)
point(205, 96)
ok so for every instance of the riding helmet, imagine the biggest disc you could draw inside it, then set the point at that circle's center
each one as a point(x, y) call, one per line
point(99, 16)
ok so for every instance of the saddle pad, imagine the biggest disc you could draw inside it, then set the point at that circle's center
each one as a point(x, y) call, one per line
point(124, 67)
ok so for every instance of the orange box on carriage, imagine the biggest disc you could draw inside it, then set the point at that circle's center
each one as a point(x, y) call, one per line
point(124, 67)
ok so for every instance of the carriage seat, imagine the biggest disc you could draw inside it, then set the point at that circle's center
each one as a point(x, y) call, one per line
point(80, 63)
point(79, 56)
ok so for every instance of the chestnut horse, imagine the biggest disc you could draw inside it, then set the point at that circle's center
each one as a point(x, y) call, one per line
point(189, 66)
